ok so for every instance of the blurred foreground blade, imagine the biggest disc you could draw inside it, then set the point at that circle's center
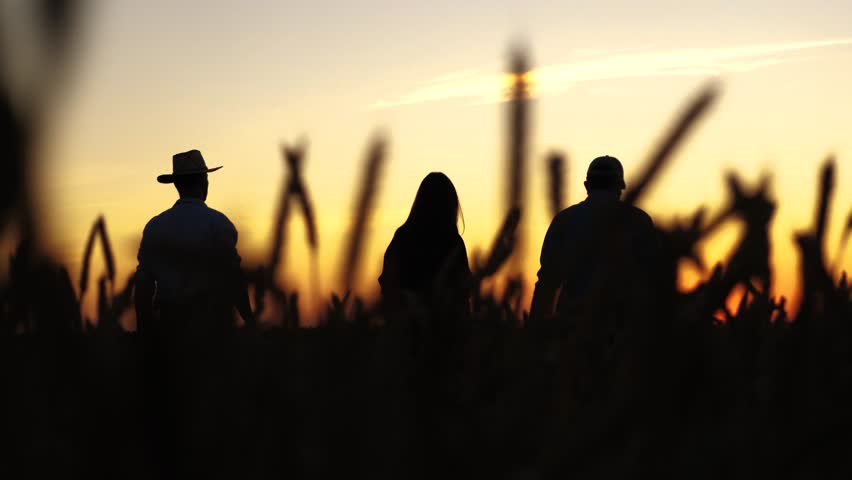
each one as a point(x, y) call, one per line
point(109, 258)
point(662, 154)
point(363, 209)
point(826, 186)
point(556, 173)
point(844, 239)
point(503, 245)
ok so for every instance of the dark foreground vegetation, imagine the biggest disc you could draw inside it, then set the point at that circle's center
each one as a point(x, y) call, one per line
point(666, 383)
point(683, 389)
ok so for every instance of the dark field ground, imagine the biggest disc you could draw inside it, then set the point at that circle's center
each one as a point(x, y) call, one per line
point(734, 399)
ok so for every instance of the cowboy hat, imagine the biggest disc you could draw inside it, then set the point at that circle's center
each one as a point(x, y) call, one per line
point(186, 163)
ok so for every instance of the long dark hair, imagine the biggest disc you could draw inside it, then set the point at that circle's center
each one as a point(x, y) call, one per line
point(436, 206)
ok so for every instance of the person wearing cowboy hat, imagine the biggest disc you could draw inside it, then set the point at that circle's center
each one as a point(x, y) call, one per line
point(189, 272)
point(188, 257)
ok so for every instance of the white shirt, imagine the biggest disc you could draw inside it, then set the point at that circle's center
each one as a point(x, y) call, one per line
point(189, 251)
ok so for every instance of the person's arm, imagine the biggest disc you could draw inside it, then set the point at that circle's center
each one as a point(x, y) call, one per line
point(390, 278)
point(238, 279)
point(549, 279)
point(648, 248)
point(144, 288)
point(242, 302)
point(464, 276)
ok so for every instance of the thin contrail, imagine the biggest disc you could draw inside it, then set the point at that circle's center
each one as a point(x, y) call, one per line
point(477, 86)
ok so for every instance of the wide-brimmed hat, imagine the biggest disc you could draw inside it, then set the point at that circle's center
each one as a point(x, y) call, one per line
point(186, 163)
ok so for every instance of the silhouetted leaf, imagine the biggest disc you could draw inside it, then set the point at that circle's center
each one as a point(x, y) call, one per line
point(662, 154)
point(363, 209)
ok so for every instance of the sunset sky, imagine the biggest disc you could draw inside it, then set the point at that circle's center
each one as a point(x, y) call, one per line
point(236, 79)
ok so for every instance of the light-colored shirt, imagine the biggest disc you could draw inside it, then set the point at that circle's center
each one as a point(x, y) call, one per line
point(189, 251)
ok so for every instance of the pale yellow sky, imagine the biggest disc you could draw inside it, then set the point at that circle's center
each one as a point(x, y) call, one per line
point(235, 79)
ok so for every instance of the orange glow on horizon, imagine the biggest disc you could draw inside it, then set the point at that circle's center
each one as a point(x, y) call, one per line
point(179, 80)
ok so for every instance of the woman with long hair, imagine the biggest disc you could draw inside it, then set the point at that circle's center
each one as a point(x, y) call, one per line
point(427, 261)
point(426, 278)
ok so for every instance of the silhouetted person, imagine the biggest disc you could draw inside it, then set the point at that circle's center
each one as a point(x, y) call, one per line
point(188, 268)
point(596, 287)
point(598, 264)
point(426, 275)
point(590, 245)
point(427, 259)
point(188, 254)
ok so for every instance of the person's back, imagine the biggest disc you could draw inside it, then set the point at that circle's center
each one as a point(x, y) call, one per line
point(598, 258)
point(593, 244)
point(188, 256)
point(188, 268)
point(425, 285)
point(427, 258)
point(421, 255)
point(188, 250)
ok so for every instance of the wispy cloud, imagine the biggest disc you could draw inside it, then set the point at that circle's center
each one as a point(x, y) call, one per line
point(476, 87)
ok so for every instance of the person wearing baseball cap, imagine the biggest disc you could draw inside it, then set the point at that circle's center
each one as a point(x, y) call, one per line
point(591, 243)
point(605, 174)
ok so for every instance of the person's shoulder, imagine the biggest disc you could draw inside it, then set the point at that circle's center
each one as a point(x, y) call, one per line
point(639, 216)
point(155, 221)
point(397, 241)
point(457, 239)
point(219, 225)
point(639, 213)
point(402, 233)
point(219, 217)
point(566, 214)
